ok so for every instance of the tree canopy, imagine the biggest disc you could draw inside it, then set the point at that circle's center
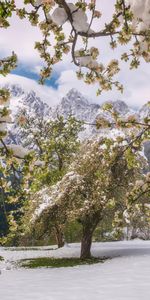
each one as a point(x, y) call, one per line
point(71, 28)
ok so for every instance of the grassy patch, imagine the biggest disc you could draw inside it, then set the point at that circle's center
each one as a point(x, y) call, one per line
point(1, 258)
point(28, 249)
point(51, 262)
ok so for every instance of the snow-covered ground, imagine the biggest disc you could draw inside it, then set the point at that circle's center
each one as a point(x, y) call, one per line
point(124, 277)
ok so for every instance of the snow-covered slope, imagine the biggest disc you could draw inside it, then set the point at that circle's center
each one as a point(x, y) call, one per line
point(124, 277)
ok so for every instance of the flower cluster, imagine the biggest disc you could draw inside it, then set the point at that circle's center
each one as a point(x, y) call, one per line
point(88, 58)
point(5, 112)
point(40, 2)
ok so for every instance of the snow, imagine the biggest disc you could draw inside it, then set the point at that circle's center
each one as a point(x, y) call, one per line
point(59, 16)
point(140, 9)
point(124, 277)
point(47, 197)
point(141, 21)
point(3, 127)
point(79, 18)
point(87, 61)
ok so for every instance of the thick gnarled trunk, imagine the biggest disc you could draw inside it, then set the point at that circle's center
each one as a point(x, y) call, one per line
point(86, 243)
point(59, 237)
point(87, 234)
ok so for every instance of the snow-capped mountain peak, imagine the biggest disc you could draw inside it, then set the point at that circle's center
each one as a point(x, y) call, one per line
point(28, 101)
point(74, 104)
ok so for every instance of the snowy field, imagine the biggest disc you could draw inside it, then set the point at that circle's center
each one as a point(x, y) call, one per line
point(124, 277)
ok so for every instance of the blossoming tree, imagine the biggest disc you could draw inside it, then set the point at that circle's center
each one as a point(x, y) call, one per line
point(95, 184)
point(130, 24)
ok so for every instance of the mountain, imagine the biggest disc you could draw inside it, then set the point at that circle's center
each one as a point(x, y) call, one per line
point(22, 101)
point(144, 112)
point(74, 103)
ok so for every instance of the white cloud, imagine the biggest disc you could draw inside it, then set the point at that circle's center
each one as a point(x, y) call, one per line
point(136, 93)
point(36, 69)
point(20, 37)
point(47, 94)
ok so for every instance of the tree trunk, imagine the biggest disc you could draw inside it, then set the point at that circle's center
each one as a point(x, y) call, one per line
point(59, 237)
point(86, 243)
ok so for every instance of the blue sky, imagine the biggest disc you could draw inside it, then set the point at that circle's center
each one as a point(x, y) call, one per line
point(21, 37)
point(25, 72)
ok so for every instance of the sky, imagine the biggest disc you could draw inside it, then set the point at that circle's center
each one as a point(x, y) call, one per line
point(21, 36)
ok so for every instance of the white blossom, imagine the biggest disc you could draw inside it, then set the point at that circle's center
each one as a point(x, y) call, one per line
point(6, 119)
point(18, 150)
point(126, 216)
point(38, 2)
point(139, 183)
point(39, 163)
point(3, 127)
point(3, 102)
